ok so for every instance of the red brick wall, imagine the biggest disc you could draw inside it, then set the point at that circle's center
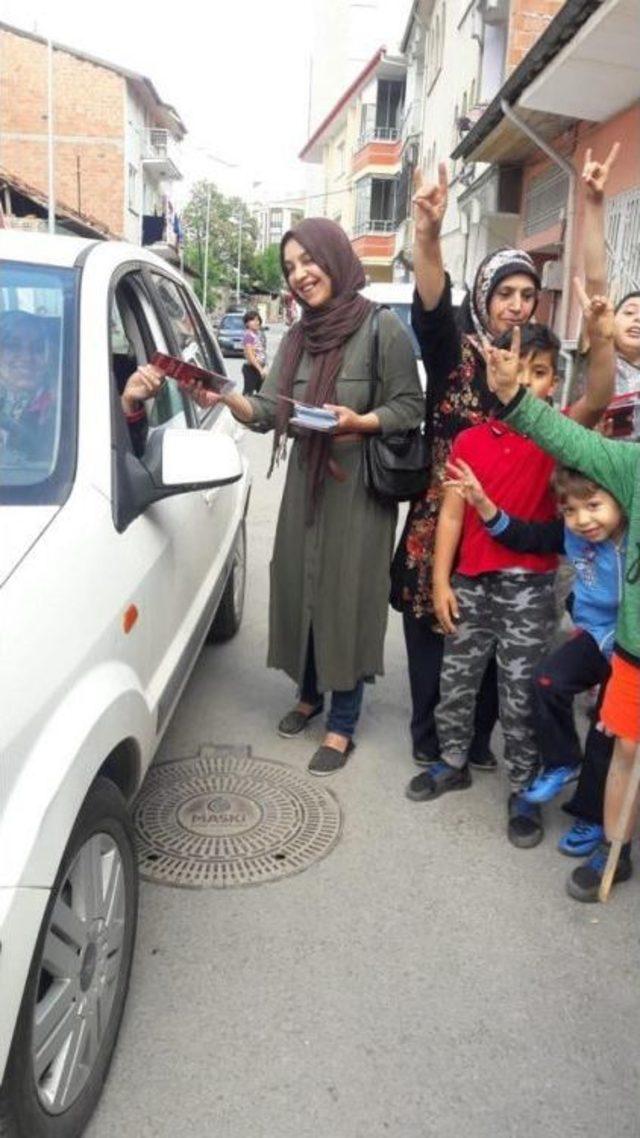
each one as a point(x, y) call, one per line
point(528, 19)
point(88, 117)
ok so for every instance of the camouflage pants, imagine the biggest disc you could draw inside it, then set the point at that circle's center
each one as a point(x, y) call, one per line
point(515, 615)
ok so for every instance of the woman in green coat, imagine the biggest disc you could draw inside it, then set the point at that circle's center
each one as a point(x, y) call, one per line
point(334, 542)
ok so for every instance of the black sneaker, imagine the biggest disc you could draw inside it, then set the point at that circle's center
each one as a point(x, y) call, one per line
point(328, 760)
point(525, 823)
point(437, 779)
point(584, 883)
point(295, 721)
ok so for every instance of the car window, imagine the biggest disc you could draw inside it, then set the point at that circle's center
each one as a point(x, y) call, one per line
point(187, 322)
point(38, 382)
point(135, 335)
point(232, 323)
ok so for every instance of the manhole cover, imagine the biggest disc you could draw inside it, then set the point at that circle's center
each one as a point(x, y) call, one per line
point(224, 818)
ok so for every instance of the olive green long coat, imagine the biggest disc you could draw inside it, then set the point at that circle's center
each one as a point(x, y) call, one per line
point(333, 575)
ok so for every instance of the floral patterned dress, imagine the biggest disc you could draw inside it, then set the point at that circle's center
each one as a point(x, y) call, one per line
point(457, 398)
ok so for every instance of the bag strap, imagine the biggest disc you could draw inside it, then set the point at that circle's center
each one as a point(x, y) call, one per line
point(374, 378)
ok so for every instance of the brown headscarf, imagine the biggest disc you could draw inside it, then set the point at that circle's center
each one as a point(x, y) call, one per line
point(323, 333)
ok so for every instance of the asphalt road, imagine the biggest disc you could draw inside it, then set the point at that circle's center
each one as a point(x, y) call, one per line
point(425, 979)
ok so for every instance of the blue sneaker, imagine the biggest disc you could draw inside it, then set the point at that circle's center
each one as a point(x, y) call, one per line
point(582, 839)
point(549, 783)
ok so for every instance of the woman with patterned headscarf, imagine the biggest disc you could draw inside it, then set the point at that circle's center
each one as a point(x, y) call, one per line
point(334, 541)
point(505, 293)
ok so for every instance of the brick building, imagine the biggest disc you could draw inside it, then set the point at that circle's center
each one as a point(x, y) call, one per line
point(578, 88)
point(114, 138)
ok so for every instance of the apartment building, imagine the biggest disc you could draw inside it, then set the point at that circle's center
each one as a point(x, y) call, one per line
point(274, 218)
point(459, 53)
point(114, 139)
point(357, 146)
point(578, 89)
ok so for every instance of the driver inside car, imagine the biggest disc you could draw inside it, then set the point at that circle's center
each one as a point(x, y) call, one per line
point(28, 395)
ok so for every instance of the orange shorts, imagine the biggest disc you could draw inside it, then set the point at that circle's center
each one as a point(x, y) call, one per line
point(620, 711)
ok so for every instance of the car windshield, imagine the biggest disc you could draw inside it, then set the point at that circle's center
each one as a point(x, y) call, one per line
point(37, 383)
point(403, 311)
point(233, 323)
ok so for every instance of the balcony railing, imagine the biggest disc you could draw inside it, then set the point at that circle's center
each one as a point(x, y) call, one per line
point(374, 225)
point(377, 134)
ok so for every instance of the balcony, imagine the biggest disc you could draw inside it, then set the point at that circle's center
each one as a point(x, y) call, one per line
point(374, 240)
point(157, 156)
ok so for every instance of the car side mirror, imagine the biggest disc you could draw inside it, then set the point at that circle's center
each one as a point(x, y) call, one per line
point(176, 460)
point(199, 458)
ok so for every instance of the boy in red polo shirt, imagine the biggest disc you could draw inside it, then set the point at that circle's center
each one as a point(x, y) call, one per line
point(497, 599)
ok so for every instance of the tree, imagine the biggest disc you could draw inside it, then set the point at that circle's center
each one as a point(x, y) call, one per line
point(224, 214)
point(268, 272)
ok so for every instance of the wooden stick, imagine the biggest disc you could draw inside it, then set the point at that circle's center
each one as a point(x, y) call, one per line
point(623, 821)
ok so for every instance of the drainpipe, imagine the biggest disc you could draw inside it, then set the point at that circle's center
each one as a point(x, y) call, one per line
point(569, 170)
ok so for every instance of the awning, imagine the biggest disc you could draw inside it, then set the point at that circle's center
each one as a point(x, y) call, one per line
point(597, 74)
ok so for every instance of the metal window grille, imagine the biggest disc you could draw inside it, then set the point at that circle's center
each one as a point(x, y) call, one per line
point(622, 222)
point(545, 200)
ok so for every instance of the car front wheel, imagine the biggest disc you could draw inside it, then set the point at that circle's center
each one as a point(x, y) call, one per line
point(77, 985)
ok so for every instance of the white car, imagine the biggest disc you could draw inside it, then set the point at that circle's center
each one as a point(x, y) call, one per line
point(398, 297)
point(118, 559)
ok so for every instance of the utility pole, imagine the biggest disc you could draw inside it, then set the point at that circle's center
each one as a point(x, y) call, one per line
point(206, 248)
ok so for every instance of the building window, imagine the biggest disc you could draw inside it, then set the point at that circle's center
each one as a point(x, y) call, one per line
point(545, 199)
point(341, 162)
point(375, 205)
point(623, 242)
point(132, 196)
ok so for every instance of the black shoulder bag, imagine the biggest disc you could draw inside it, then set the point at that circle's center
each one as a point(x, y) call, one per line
point(396, 467)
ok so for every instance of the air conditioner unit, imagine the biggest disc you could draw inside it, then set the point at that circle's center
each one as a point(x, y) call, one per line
point(551, 277)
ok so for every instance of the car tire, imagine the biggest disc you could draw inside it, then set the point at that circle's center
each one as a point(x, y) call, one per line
point(76, 1005)
point(228, 617)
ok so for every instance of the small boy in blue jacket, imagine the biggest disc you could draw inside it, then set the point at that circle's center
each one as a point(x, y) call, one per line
point(592, 534)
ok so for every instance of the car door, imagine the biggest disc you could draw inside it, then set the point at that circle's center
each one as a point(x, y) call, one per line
point(172, 553)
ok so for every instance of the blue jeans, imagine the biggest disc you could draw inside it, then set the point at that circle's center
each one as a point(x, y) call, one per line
point(344, 711)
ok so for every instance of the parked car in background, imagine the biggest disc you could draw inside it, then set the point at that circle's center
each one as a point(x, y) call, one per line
point(114, 570)
point(398, 297)
point(231, 334)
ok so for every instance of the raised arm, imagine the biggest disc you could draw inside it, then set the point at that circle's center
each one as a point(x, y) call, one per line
point(430, 204)
point(601, 369)
point(594, 178)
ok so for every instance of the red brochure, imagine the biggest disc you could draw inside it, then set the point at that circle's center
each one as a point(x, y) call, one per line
point(178, 369)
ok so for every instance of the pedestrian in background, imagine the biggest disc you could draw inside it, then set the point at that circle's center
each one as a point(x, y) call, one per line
point(254, 345)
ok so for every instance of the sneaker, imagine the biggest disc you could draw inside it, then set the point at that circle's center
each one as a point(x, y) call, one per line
point(581, 839)
point(295, 721)
point(437, 779)
point(328, 760)
point(584, 883)
point(549, 783)
point(525, 822)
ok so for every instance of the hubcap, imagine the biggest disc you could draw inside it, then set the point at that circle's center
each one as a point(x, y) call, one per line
point(79, 970)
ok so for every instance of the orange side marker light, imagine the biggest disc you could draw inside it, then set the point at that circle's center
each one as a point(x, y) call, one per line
point(129, 618)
